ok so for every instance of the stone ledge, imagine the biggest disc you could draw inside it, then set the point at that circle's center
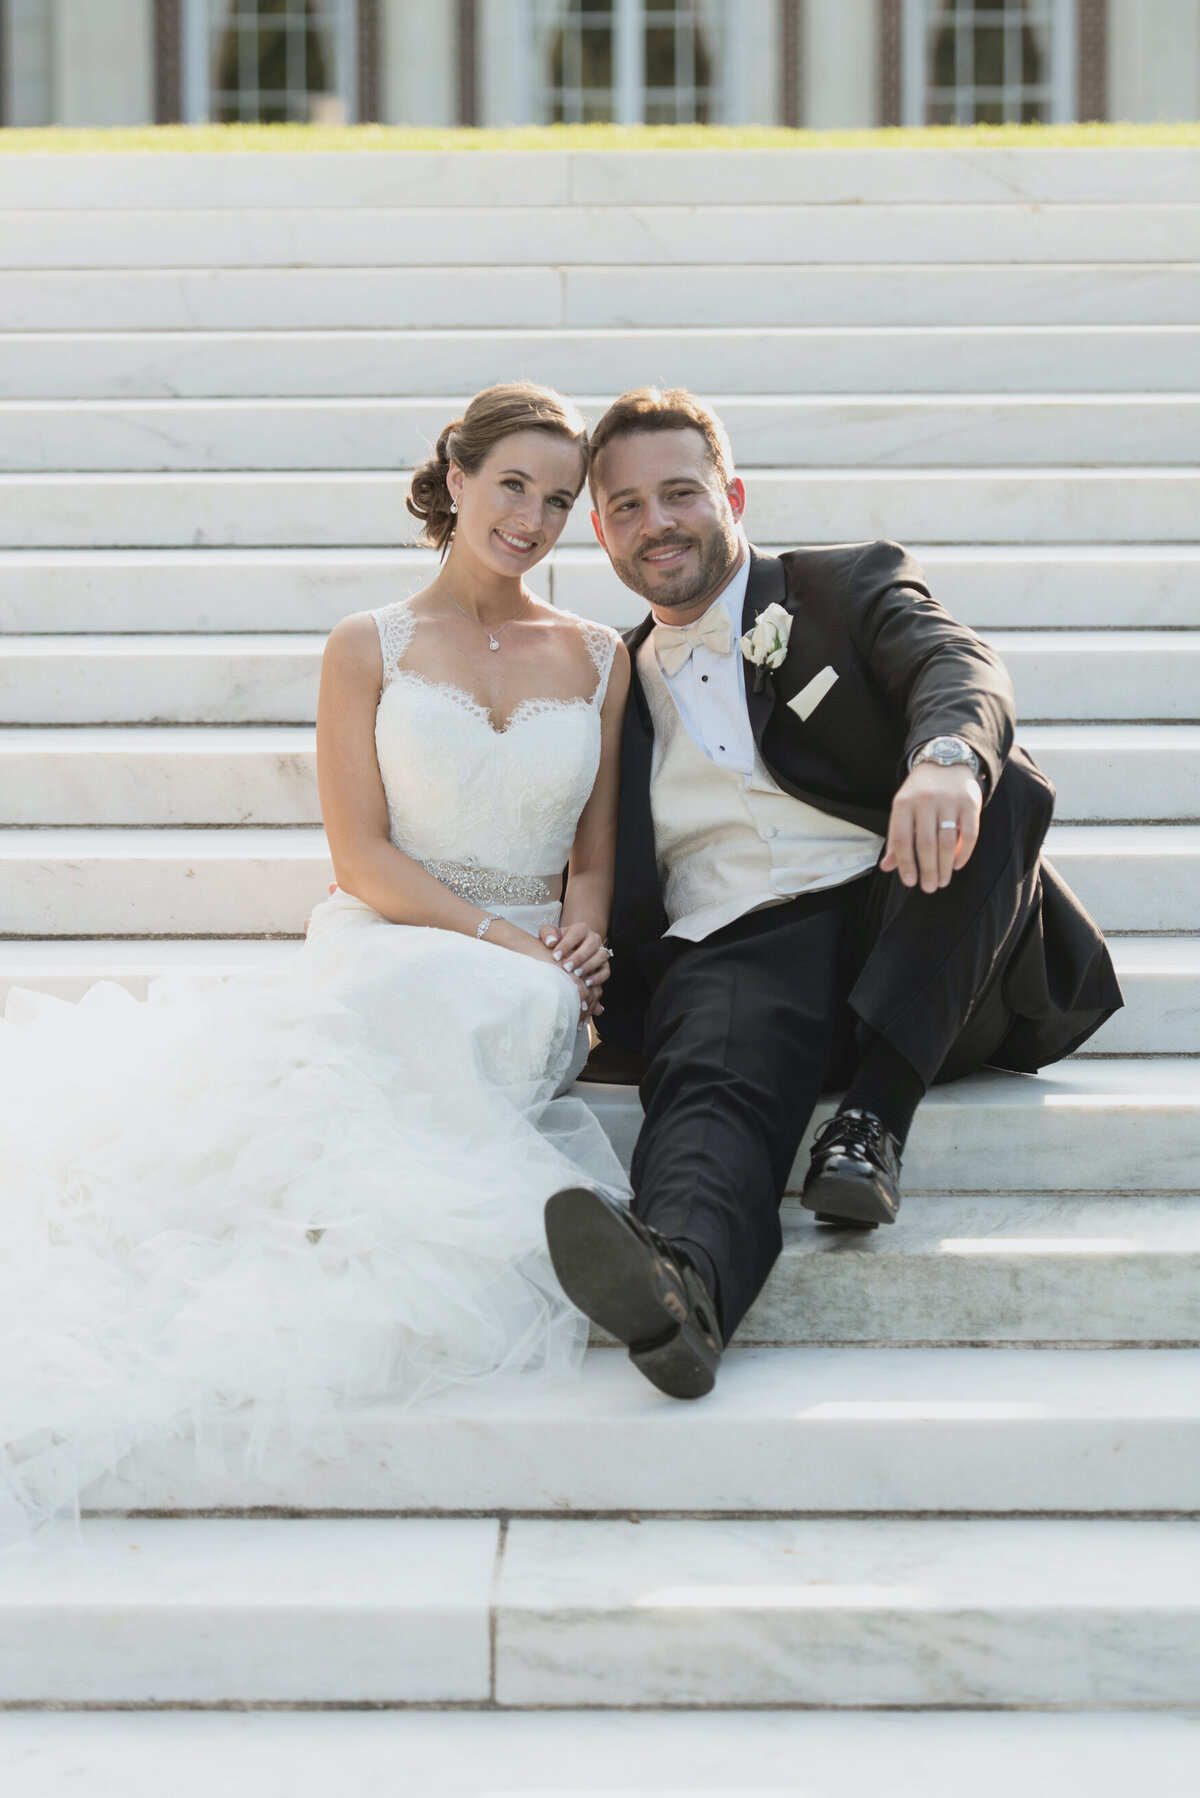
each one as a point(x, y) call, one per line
point(787, 1430)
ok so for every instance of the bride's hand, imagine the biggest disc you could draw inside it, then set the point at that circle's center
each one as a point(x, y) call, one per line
point(581, 951)
point(510, 936)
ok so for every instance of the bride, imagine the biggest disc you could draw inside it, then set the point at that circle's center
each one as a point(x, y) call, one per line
point(280, 1197)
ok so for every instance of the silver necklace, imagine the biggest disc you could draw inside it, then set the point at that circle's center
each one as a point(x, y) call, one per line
point(493, 637)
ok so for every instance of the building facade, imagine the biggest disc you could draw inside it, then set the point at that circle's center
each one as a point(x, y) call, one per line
point(819, 63)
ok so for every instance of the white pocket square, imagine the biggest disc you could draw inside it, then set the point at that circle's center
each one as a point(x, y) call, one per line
point(809, 698)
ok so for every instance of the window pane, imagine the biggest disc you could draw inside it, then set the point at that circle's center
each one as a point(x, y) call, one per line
point(989, 57)
point(576, 55)
point(660, 58)
point(988, 62)
point(944, 59)
point(272, 60)
point(596, 59)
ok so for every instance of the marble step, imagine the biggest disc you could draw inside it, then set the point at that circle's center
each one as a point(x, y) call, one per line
point(989, 586)
point(860, 1430)
point(792, 359)
point(1160, 977)
point(1079, 675)
point(784, 431)
point(837, 1612)
point(171, 883)
point(546, 298)
point(1119, 771)
point(221, 1612)
point(1020, 1269)
point(264, 881)
point(266, 774)
point(755, 1754)
point(400, 299)
point(435, 179)
point(716, 1613)
point(1100, 293)
point(598, 229)
point(1133, 878)
point(1143, 685)
point(1081, 1126)
point(366, 509)
point(65, 967)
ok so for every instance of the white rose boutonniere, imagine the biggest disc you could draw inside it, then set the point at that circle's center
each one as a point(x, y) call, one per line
point(766, 645)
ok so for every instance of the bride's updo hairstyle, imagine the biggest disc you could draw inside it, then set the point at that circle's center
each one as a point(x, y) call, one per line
point(495, 413)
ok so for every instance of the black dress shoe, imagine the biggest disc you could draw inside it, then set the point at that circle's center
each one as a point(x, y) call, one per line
point(854, 1175)
point(637, 1285)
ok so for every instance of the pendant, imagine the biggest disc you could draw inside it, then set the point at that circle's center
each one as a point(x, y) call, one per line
point(492, 643)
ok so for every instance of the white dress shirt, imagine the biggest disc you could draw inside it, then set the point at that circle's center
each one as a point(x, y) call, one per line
point(710, 690)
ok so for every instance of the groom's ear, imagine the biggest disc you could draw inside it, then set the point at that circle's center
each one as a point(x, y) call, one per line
point(599, 530)
point(736, 494)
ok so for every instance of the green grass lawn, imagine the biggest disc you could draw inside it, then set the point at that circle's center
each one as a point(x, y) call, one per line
point(591, 137)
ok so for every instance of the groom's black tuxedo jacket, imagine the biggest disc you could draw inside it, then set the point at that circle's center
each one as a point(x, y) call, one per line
point(907, 671)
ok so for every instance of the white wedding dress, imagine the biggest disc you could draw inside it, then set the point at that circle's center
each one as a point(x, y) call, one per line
point(274, 1198)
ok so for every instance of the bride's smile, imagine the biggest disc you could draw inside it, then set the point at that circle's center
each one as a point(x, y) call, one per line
point(511, 512)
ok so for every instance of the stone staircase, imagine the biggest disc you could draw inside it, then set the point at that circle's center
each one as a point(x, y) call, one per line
point(951, 1468)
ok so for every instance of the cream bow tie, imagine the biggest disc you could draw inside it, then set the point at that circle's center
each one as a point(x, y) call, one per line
point(674, 643)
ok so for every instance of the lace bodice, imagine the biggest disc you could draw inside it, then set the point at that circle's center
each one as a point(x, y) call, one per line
point(458, 789)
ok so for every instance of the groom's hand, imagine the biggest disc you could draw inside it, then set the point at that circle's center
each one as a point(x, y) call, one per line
point(918, 848)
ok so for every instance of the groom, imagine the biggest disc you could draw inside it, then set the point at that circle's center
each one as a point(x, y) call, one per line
point(828, 873)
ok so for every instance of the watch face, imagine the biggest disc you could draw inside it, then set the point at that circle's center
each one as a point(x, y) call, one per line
point(947, 749)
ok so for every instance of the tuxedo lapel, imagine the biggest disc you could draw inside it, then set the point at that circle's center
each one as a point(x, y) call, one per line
point(766, 586)
point(633, 642)
point(637, 898)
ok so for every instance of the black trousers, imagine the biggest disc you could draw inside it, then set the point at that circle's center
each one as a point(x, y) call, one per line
point(745, 1029)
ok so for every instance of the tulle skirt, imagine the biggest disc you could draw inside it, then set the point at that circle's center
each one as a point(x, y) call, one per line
point(275, 1198)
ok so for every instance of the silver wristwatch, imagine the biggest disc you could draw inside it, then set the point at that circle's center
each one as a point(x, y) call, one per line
point(947, 752)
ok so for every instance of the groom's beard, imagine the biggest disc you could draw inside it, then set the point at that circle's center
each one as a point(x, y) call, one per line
point(716, 561)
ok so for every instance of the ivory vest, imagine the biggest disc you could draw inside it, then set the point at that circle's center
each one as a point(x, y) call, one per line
point(730, 843)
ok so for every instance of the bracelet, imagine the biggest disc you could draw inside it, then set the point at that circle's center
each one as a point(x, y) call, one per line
point(486, 925)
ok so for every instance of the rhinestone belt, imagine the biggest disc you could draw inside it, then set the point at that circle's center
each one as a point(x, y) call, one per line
point(489, 886)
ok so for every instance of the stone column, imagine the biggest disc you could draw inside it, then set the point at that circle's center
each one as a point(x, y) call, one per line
point(841, 65)
point(418, 77)
point(104, 62)
point(29, 60)
point(1154, 59)
point(754, 91)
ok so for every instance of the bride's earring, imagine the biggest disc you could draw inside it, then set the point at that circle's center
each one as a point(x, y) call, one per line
point(454, 505)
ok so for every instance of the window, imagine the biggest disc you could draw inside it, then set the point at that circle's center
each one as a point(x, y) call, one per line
point(270, 61)
point(580, 66)
point(988, 62)
point(678, 71)
point(634, 61)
